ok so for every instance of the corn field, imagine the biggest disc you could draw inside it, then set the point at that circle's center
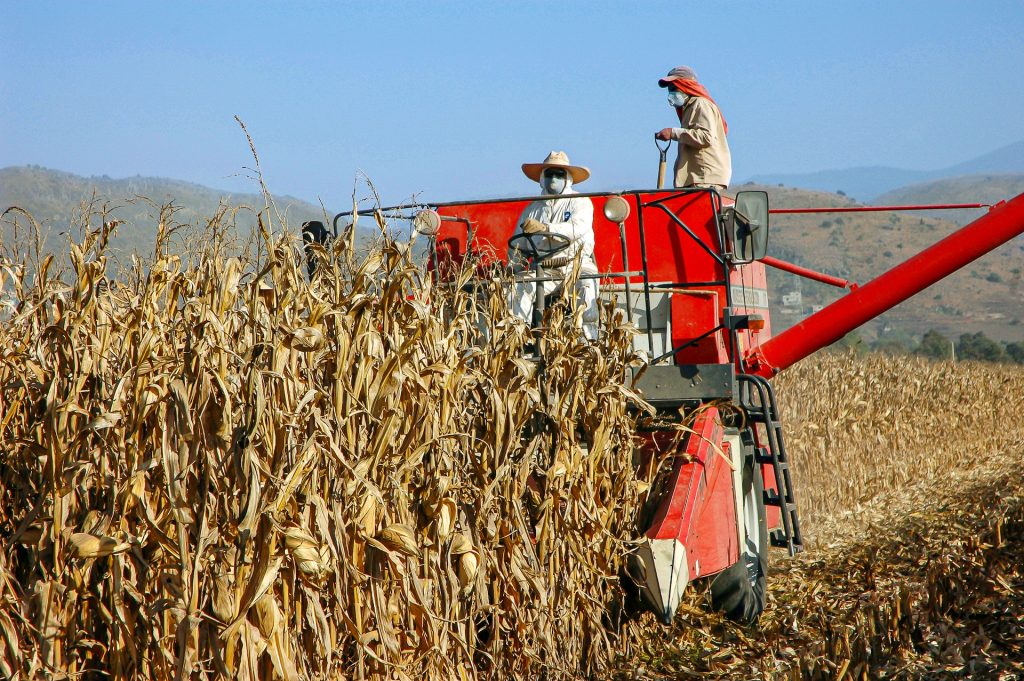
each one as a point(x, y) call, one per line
point(214, 467)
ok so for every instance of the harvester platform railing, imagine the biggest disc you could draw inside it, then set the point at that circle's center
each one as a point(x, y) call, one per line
point(876, 209)
point(689, 284)
point(807, 273)
point(693, 341)
point(716, 251)
point(397, 210)
point(839, 282)
point(719, 258)
point(758, 400)
point(644, 267)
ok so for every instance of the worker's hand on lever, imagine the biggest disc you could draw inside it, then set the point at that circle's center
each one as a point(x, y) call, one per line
point(532, 226)
point(665, 135)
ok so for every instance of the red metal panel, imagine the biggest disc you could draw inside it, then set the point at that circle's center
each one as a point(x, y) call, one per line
point(773, 514)
point(492, 225)
point(713, 544)
point(999, 225)
point(693, 313)
point(749, 285)
point(686, 486)
point(698, 508)
point(673, 256)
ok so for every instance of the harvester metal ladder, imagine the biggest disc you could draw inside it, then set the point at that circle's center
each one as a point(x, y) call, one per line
point(758, 399)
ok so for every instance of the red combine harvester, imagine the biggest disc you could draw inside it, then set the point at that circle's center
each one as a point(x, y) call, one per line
point(687, 267)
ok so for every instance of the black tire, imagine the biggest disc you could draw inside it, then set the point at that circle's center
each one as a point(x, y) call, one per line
point(739, 591)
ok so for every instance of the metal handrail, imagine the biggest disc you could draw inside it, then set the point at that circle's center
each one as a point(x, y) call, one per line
point(875, 209)
point(513, 199)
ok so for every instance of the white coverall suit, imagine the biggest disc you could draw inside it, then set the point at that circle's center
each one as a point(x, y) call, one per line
point(573, 217)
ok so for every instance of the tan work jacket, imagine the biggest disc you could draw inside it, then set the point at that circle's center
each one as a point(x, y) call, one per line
point(703, 149)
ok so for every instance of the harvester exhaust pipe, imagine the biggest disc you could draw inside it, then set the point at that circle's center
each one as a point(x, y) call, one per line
point(1003, 222)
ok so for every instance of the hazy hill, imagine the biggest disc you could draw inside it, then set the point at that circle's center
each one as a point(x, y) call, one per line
point(54, 198)
point(1008, 159)
point(985, 296)
point(867, 183)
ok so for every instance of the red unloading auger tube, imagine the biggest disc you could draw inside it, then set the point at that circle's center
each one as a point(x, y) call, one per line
point(1003, 222)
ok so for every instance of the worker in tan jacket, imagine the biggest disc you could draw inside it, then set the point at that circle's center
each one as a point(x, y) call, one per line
point(704, 159)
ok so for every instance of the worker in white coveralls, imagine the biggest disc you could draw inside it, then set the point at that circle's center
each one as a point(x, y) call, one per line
point(568, 216)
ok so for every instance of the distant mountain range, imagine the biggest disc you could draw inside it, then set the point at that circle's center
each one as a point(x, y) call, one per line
point(986, 296)
point(54, 198)
point(868, 183)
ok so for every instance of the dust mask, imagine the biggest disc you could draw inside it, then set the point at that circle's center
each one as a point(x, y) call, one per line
point(677, 98)
point(553, 181)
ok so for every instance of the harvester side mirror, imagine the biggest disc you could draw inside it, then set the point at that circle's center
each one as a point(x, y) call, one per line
point(616, 209)
point(746, 226)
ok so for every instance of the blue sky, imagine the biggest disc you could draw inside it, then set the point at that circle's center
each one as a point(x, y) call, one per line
point(447, 99)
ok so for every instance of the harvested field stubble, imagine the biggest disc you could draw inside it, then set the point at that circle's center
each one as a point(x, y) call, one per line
point(213, 467)
point(912, 501)
point(876, 426)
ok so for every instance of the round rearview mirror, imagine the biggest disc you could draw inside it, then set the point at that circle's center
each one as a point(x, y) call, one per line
point(427, 222)
point(616, 209)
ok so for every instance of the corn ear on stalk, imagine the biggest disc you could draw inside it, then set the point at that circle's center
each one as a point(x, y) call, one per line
point(401, 538)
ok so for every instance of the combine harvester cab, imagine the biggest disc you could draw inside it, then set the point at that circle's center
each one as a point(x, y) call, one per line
point(687, 267)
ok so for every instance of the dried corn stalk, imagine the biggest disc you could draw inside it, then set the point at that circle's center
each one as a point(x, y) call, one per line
point(211, 463)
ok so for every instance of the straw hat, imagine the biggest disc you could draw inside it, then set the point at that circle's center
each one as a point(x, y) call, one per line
point(556, 159)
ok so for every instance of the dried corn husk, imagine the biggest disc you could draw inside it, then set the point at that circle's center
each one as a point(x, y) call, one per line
point(31, 535)
point(400, 538)
point(444, 518)
point(366, 519)
point(295, 538)
point(306, 339)
point(85, 545)
point(461, 544)
point(311, 557)
point(468, 564)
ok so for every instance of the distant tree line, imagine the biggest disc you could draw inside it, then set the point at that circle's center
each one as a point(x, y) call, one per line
point(934, 345)
point(974, 346)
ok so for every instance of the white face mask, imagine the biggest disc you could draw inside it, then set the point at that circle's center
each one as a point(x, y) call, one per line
point(553, 182)
point(677, 98)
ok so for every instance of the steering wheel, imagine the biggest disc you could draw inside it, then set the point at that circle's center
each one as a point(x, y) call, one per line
point(539, 245)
